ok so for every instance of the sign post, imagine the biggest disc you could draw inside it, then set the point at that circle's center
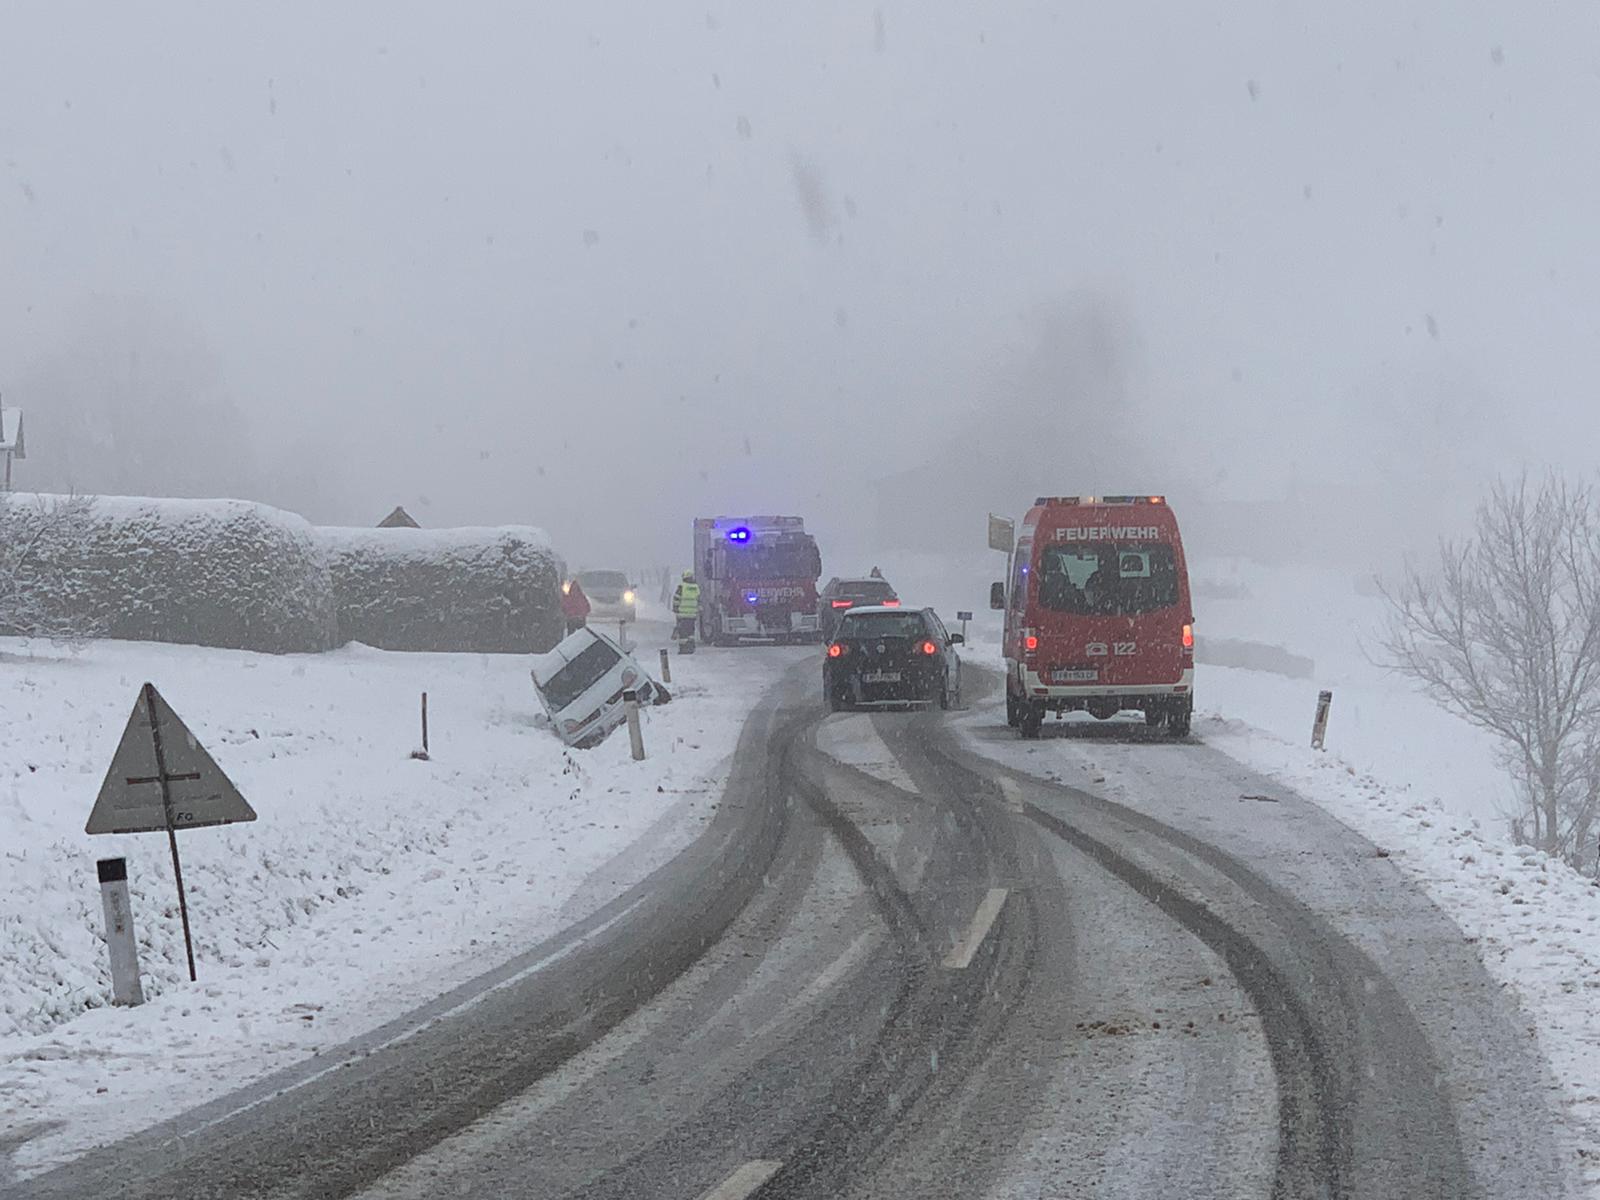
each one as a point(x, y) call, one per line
point(161, 778)
point(125, 985)
point(1319, 726)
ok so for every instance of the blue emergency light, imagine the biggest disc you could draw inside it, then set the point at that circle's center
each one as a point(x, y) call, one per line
point(751, 597)
point(739, 533)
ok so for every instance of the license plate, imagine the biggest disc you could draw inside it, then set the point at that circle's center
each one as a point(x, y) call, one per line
point(1075, 675)
point(881, 677)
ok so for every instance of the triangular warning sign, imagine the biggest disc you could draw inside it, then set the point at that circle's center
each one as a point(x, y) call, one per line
point(157, 747)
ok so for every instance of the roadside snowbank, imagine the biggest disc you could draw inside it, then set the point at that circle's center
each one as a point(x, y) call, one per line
point(370, 883)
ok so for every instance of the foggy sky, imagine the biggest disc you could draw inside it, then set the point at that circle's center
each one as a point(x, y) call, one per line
point(606, 267)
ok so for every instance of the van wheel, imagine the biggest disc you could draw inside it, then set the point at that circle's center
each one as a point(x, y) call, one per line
point(1030, 719)
point(1013, 710)
point(1180, 720)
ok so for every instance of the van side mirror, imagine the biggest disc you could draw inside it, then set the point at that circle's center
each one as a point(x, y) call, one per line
point(997, 596)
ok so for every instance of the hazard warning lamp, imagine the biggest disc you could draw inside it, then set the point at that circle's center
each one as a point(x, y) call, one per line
point(836, 650)
point(929, 648)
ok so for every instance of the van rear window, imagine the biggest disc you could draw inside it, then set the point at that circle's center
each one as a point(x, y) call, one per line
point(1108, 579)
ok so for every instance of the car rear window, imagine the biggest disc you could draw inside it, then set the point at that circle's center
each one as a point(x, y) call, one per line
point(882, 625)
point(579, 675)
point(1108, 579)
point(603, 579)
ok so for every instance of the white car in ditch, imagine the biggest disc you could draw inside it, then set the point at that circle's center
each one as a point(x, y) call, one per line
point(581, 683)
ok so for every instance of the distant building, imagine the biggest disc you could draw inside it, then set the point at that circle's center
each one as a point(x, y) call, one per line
point(398, 519)
point(11, 443)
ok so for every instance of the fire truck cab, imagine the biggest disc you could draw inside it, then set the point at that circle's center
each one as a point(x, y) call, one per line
point(1097, 613)
point(758, 579)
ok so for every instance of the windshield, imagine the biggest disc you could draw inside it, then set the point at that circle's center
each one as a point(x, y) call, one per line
point(1108, 579)
point(579, 675)
point(606, 581)
point(882, 625)
point(773, 562)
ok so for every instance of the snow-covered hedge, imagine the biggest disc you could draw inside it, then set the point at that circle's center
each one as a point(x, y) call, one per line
point(209, 572)
point(483, 590)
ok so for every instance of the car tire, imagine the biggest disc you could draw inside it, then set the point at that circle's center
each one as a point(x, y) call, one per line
point(944, 695)
point(1180, 720)
point(1030, 720)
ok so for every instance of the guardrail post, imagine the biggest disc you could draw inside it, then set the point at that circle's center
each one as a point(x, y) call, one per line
point(666, 666)
point(125, 985)
point(1319, 726)
point(630, 706)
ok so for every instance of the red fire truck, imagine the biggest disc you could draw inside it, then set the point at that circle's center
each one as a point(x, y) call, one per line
point(758, 579)
point(1098, 614)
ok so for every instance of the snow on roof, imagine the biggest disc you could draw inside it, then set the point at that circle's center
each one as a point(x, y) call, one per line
point(428, 542)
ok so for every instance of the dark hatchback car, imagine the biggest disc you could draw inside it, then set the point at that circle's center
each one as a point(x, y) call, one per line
point(841, 595)
point(883, 655)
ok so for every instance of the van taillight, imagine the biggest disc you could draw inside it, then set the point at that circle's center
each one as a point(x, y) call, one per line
point(1188, 637)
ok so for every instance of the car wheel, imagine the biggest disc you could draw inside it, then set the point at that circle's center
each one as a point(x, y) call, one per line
point(1031, 719)
point(1180, 720)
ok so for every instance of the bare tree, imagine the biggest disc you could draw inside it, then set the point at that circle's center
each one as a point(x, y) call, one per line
point(1507, 635)
point(38, 536)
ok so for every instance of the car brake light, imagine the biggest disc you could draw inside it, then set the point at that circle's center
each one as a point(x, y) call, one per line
point(1188, 637)
point(890, 603)
point(929, 648)
point(835, 650)
point(1030, 642)
point(843, 603)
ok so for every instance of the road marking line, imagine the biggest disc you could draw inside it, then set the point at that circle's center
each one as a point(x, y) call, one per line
point(744, 1181)
point(960, 956)
point(1011, 792)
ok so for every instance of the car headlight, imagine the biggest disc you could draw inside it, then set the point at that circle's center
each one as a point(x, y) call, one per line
point(627, 597)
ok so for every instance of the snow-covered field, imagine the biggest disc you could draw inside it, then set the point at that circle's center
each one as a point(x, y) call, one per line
point(370, 883)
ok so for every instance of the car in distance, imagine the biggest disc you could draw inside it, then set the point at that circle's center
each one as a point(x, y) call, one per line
point(841, 595)
point(887, 655)
point(611, 596)
point(581, 684)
